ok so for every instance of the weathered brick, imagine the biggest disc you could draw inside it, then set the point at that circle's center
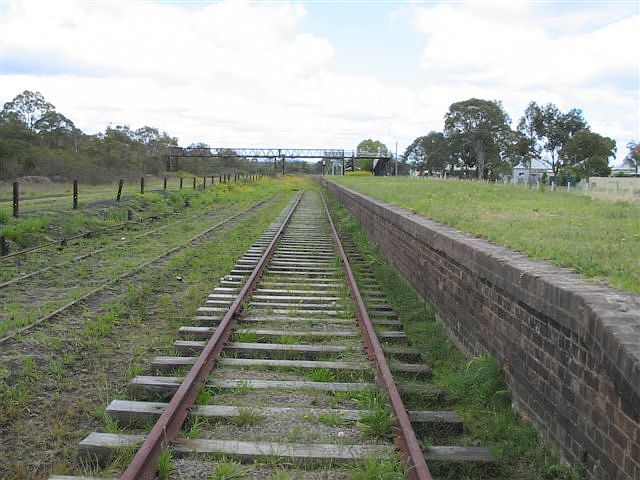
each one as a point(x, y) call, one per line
point(572, 349)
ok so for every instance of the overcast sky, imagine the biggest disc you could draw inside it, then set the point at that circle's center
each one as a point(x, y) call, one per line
point(320, 74)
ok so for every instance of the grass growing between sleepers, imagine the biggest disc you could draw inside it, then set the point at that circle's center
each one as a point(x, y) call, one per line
point(475, 388)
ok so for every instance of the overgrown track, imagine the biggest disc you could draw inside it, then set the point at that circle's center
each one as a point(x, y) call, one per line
point(293, 388)
point(64, 243)
point(31, 295)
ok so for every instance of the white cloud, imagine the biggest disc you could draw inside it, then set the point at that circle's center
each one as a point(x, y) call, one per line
point(247, 74)
point(225, 73)
point(515, 52)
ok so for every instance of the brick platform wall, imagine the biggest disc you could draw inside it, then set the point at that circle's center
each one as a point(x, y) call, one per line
point(570, 349)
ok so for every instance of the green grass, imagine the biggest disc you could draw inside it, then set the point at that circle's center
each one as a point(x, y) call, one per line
point(245, 337)
point(104, 343)
point(377, 423)
point(597, 238)
point(246, 416)
point(165, 465)
point(227, 469)
point(121, 250)
point(205, 396)
point(321, 375)
point(333, 419)
point(24, 231)
point(193, 426)
point(375, 468)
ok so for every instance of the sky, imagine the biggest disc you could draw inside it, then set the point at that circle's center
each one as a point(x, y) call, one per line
point(320, 74)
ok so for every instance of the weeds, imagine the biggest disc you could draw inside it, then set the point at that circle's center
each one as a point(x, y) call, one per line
point(205, 396)
point(333, 419)
point(374, 468)
point(281, 475)
point(243, 388)
point(246, 337)
point(195, 426)
point(227, 469)
point(246, 416)
point(321, 375)
point(377, 423)
point(26, 231)
point(287, 340)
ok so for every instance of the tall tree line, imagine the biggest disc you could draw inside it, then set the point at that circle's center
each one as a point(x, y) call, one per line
point(477, 141)
point(35, 139)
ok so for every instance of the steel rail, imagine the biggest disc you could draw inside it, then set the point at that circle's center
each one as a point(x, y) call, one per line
point(413, 459)
point(144, 463)
point(124, 275)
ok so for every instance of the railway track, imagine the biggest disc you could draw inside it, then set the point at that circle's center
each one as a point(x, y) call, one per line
point(288, 364)
point(15, 293)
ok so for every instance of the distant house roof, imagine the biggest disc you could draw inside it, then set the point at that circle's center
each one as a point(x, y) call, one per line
point(535, 165)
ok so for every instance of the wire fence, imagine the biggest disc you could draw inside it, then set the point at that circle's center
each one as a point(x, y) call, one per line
point(19, 197)
point(605, 188)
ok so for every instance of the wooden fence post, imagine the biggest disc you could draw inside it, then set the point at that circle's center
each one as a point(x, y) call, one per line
point(119, 194)
point(75, 194)
point(16, 199)
point(204, 183)
point(180, 183)
point(4, 246)
point(164, 183)
point(142, 185)
point(194, 183)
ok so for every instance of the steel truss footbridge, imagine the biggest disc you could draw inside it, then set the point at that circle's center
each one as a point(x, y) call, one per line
point(345, 159)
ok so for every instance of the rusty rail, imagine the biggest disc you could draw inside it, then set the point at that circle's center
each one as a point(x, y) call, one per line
point(415, 465)
point(143, 465)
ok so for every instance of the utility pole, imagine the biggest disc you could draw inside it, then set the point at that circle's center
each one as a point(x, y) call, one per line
point(396, 159)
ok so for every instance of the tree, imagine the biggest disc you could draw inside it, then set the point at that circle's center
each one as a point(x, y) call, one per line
point(369, 146)
point(526, 143)
point(587, 154)
point(57, 130)
point(372, 146)
point(633, 155)
point(478, 132)
point(430, 152)
point(554, 128)
point(37, 140)
point(28, 108)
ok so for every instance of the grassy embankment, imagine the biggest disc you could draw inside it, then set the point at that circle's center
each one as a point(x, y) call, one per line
point(596, 238)
point(475, 389)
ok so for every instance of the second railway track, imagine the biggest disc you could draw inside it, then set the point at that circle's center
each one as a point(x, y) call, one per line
point(32, 295)
point(287, 365)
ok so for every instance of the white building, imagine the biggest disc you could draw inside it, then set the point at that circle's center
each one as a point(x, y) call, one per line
point(523, 174)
